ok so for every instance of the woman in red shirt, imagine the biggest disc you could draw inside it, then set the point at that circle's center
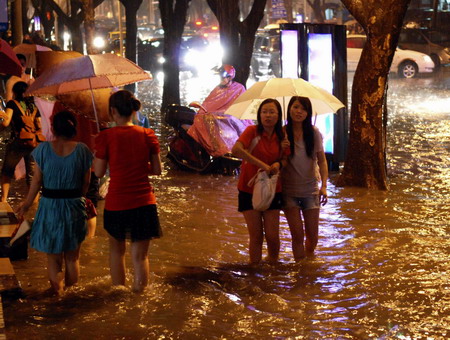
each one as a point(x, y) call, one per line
point(132, 154)
point(266, 155)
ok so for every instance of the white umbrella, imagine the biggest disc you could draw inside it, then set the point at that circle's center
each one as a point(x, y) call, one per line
point(282, 89)
point(87, 73)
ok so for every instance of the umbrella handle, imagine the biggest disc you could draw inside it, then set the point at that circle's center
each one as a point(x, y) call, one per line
point(93, 105)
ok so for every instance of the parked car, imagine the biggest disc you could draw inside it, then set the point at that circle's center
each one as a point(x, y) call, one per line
point(434, 43)
point(266, 55)
point(406, 63)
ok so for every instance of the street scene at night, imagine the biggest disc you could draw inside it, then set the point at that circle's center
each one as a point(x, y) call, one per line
point(380, 268)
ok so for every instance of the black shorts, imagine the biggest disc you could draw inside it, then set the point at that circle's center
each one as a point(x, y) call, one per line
point(245, 201)
point(136, 224)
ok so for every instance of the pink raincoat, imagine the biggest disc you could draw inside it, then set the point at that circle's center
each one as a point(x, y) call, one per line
point(214, 130)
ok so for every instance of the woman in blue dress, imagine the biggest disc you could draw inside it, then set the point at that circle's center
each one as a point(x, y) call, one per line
point(62, 171)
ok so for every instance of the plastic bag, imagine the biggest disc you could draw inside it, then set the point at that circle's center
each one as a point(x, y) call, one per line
point(264, 188)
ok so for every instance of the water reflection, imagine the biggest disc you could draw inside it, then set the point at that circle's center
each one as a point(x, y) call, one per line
point(380, 271)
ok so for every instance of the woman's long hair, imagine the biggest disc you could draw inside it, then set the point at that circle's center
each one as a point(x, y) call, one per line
point(279, 126)
point(308, 131)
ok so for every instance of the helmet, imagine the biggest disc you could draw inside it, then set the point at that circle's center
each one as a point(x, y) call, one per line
point(227, 71)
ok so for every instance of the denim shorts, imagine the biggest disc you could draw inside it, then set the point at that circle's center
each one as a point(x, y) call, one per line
point(304, 203)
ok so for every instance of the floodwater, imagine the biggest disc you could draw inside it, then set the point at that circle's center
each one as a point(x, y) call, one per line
point(381, 270)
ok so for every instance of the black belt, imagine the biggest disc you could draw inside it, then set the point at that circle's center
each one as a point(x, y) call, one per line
point(61, 193)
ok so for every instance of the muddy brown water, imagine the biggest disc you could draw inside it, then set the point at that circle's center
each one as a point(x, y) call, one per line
point(381, 269)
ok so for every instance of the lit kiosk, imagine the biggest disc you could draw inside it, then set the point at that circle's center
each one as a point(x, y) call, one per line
point(317, 53)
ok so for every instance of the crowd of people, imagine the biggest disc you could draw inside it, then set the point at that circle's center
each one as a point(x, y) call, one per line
point(129, 153)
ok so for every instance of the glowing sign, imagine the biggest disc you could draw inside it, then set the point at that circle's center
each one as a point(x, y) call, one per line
point(320, 66)
point(289, 54)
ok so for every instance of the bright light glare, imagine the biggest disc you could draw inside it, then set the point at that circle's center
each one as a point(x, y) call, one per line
point(289, 53)
point(433, 105)
point(159, 76)
point(206, 59)
point(161, 60)
point(99, 42)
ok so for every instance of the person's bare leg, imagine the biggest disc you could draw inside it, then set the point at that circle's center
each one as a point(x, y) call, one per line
point(117, 261)
point(72, 261)
point(311, 217)
point(295, 223)
point(272, 233)
point(253, 219)
point(55, 274)
point(6, 183)
point(139, 256)
point(91, 226)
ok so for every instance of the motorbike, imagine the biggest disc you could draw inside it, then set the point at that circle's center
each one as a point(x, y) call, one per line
point(209, 152)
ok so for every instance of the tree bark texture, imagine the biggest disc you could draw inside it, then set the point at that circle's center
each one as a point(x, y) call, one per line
point(289, 10)
point(89, 25)
point(131, 8)
point(237, 37)
point(365, 164)
point(173, 18)
point(16, 20)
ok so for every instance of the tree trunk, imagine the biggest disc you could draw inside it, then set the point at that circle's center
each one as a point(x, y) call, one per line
point(89, 25)
point(47, 22)
point(74, 20)
point(131, 8)
point(173, 20)
point(25, 21)
point(318, 11)
point(365, 164)
point(16, 19)
point(237, 37)
point(289, 10)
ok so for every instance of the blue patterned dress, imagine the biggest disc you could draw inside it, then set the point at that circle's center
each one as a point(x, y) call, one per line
point(60, 223)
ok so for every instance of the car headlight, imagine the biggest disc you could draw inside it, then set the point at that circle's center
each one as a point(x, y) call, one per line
point(191, 57)
point(99, 42)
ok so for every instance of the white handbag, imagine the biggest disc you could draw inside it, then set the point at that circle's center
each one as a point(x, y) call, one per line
point(264, 188)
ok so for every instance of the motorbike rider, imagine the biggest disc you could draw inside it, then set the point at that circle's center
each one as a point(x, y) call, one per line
point(224, 94)
point(214, 130)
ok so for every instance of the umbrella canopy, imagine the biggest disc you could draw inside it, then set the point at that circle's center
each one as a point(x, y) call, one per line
point(9, 64)
point(79, 102)
point(282, 89)
point(46, 59)
point(87, 73)
point(29, 51)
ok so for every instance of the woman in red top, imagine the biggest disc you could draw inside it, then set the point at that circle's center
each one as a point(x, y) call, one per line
point(264, 155)
point(132, 154)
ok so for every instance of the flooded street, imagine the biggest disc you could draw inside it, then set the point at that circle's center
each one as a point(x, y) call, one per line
point(381, 269)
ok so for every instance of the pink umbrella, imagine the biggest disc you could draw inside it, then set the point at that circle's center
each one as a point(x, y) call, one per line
point(9, 64)
point(87, 73)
